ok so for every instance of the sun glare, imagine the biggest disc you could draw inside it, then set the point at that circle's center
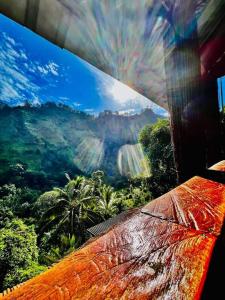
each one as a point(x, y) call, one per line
point(121, 93)
point(131, 161)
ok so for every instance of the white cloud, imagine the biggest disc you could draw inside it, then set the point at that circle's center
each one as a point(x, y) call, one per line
point(23, 55)
point(14, 83)
point(8, 92)
point(12, 52)
point(77, 104)
point(53, 68)
point(64, 98)
point(18, 74)
point(20, 86)
point(68, 101)
point(42, 70)
point(127, 111)
point(50, 68)
point(9, 39)
point(36, 102)
point(119, 92)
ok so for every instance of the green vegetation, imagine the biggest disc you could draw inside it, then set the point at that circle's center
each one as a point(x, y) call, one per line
point(44, 216)
point(156, 141)
point(38, 145)
point(18, 253)
point(58, 226)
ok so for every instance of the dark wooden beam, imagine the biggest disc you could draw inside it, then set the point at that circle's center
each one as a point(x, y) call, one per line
point(212, 53)
point(186, 111)
point(192, 100)
point(185, 97)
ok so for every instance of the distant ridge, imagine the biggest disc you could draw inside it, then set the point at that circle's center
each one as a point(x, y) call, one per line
point(50, 139)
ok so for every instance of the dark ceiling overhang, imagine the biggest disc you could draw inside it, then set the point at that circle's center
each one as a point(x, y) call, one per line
point(123, 38)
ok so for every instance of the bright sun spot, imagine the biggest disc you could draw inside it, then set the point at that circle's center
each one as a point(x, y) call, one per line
point(121, 93)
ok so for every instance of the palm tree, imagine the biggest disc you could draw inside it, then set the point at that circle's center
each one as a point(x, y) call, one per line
point(108, 201)
point(70, 210)
point(67, 244)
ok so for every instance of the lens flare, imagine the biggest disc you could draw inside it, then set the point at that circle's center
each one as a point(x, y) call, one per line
point(131, 161)
point(89, 154)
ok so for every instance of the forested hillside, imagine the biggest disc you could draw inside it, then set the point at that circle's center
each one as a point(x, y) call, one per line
point(39, 144)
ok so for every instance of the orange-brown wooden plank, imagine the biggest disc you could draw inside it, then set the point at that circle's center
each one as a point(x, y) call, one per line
point(220, 166)
point(198, 203)
point(162, 254)
point(142, 258)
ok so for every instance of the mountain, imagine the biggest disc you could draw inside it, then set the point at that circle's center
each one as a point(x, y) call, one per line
point(39, 144)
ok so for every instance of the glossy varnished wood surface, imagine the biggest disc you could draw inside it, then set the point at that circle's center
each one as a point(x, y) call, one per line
point(219, 166)
point(161, 251)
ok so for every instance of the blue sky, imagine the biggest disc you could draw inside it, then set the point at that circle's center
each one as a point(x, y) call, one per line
point(33, 69)
point(221, 91)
